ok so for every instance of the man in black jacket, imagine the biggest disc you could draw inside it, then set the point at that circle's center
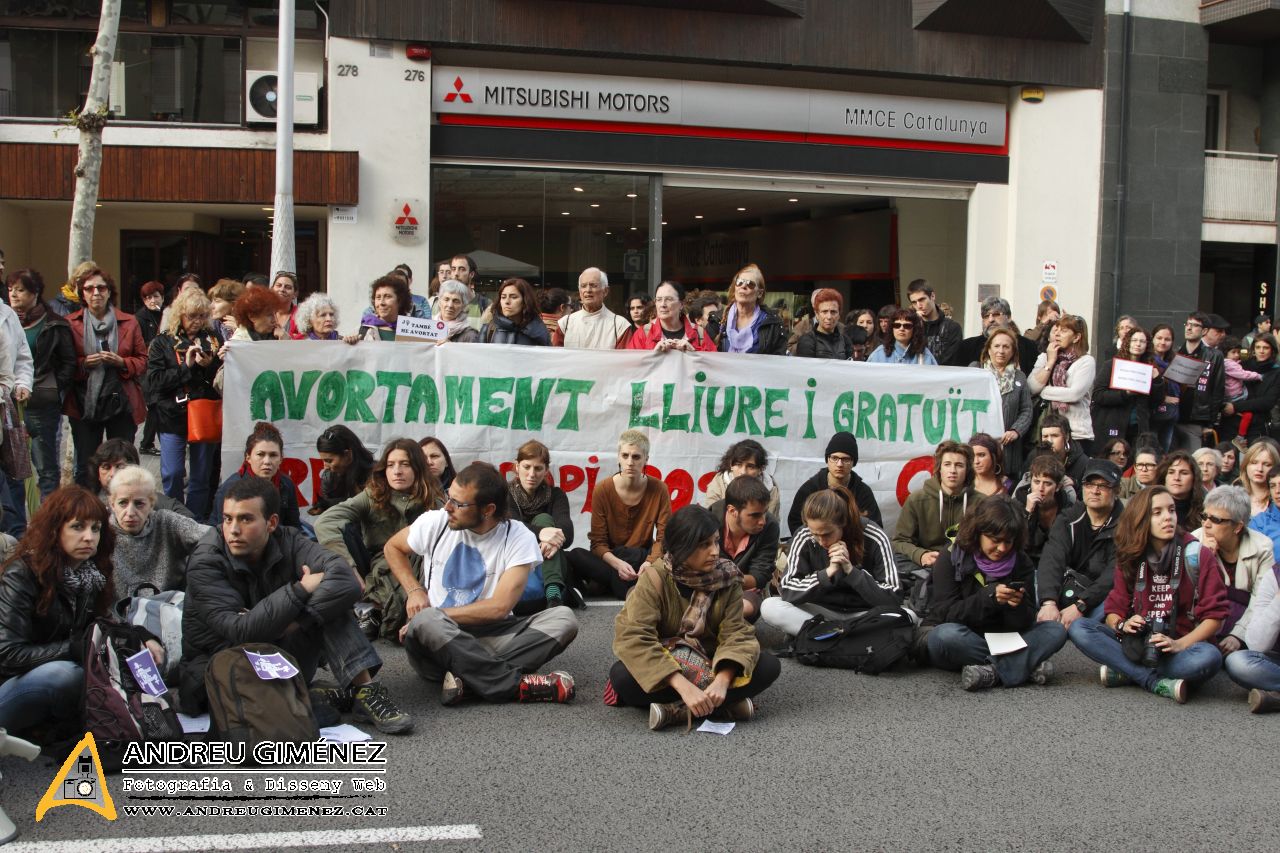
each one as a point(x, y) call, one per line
point(842, 456)
point(749, 537)
point(1201, 402)
point(943, 333)
point(253, 581)
point(995, 313)
point(1078, 563)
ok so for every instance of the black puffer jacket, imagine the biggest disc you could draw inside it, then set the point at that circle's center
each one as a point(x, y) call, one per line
point(229, 602)
point(1264, 396)
point(959, 597)
point(862, 494)
point(27, 639)
point(815, 344)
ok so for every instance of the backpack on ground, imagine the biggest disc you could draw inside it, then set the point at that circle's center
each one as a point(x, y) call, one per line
point(246, 708)
point(161, 615)
point(114, 707)
point(870, 643)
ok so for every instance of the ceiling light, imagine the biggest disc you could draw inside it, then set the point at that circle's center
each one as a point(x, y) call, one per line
point(741, 209)
point(596, 205)
point(519, 226)
point(577, 189)
point(793, 199)
point(268, 208)
point(608, 233)
point(564, 213)
point(631, 195)
point(664, 222)
point(697, 216)
point(502, 231)
point(633, 228)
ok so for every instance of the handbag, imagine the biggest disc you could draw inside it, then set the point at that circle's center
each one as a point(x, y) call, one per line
point(204, 421)
point(15, 447)
point(46, 394)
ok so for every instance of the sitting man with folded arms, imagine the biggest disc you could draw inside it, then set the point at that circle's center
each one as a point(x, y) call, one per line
point(253, 580)
point(748, 537)
point(1077, 565)
point(476, 562)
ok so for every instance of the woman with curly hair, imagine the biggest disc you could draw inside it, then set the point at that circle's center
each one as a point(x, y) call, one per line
point(391, 300)
point(317, 320)
point(906, 342)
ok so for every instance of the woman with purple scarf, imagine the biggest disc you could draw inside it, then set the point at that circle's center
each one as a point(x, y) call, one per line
point(748, 325)
point(985, 583)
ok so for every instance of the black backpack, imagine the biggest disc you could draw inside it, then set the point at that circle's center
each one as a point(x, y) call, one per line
point(870, 643)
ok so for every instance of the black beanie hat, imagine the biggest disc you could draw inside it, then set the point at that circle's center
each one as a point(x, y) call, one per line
point(843, 442)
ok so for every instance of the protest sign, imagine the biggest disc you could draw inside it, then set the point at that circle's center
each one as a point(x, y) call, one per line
point(485, 400)
point(1184, 370)
point(417, 330)
point(1130, 376)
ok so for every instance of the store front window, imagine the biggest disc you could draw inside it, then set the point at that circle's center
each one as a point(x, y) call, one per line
point(544, 226)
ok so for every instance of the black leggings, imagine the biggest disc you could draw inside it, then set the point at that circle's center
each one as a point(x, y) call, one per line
point(632, 694)
point(586, 566)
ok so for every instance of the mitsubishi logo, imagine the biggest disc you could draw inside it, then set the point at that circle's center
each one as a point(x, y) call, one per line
point(407, 218)
point(457, 93)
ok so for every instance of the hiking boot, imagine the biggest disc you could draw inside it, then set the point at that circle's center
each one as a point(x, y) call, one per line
point(741, 711)
point(1113, 677)
point(978, 677)
point(1042, 673)
point(666, 714)
point(1172, 688)
point(451, 690)
point(1264, 701)
point(340, 699)
point(374, 705)
point(369, 618)
point(546, 687)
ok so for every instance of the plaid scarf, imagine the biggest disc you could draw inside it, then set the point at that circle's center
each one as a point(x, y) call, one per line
point(722, 575)
point(1066, 358)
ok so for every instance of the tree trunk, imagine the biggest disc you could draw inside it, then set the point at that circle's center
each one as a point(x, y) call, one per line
point(90, 122)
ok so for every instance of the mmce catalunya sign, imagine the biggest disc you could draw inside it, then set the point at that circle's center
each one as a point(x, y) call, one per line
point(488, 92)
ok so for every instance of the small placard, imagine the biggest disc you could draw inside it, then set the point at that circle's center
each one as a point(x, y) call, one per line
point(418, 330)
point(1184, 370)
point(146, 673)
point(272, 667)
point(1130, 376)
point(345, 214)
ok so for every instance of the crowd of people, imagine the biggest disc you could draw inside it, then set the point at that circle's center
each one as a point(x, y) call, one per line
point(1140, 526)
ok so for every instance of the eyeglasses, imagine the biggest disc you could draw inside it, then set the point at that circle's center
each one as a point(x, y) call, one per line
point(904, 325)
point(1191, 324)
point(96, 288)
point(1213, 519)
point(458, 504)
point(744, 283)
point(1145, 466)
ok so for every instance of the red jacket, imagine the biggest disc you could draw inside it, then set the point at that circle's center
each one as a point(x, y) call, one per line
point(132, 350)
point(647, 337)
point(1208, 594)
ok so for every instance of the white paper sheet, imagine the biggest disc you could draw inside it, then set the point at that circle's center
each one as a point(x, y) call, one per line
point(191, 725)
point(345, 733)
point(716, 728)
point(1004, 642)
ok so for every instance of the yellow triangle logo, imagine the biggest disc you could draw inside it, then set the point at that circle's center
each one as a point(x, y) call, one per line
point(80, 782)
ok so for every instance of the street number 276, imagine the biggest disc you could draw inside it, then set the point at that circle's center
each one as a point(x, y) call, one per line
point(415, 75)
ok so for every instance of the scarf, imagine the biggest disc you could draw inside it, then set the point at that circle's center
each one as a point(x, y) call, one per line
point(723, 575)
point(996, 569)
point(83, 579)
point(98, 375)
point(332, 336)
point(33, 316)
point(1059, 379)
point(745, 340)
point(530, 504)
point(454, 327)
point(1004, 378)
point(68, 293)
point(246, 471)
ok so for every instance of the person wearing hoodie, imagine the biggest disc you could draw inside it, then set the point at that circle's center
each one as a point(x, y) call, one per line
point(1077, 566)
point(838, 565)
point(985, 583)
point(933, 512)
point(826, 340)
point(1165, 607)
point(842, 456)
point(743, 457)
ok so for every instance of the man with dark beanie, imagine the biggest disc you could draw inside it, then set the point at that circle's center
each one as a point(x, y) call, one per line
point(842, 456)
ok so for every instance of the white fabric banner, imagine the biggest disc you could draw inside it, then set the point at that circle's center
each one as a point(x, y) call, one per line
point(484, 400)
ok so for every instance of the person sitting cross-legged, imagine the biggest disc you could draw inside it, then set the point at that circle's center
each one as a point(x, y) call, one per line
point(1257, 668)
point(254, 580)
point(985, 584)
point(151, 544)
point(1077, 564)
point(748, 537)
point(476, 563)
point(684, 649)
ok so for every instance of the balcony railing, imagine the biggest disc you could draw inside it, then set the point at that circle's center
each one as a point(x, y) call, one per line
point(1239, 186)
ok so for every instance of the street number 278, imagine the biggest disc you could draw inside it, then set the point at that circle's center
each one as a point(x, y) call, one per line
point(348, 70)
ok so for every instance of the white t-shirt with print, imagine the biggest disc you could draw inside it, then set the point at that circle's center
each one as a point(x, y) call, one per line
point(461, 567)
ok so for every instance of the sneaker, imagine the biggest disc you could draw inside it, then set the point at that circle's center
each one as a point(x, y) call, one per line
point(978, 677)
point(546, 687)
point(1264, 701)
point(1042, 673)
point(451, 690)
point(149, 451)
point(1172, 688)
point(663, 714)
point(369, 618)
point(374, 705)
point(573, 598)
point(1113, 677)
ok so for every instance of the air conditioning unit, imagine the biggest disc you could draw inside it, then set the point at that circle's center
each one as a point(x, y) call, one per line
point(260, 97)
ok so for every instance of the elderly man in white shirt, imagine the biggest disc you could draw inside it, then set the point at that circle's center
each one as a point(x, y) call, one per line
point(594, 326)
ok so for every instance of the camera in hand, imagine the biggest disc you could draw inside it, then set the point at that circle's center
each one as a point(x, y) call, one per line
point(1151, 653)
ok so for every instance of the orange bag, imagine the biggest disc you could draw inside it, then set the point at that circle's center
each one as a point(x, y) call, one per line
point(204, 421)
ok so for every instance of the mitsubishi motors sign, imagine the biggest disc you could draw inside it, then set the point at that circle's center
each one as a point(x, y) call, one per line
point(813, 115)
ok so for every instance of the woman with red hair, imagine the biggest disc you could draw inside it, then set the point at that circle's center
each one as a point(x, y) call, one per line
point(256, 312)
point(827, 340)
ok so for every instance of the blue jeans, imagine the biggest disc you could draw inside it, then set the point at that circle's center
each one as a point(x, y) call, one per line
point(953, 646)
point(1195, 664)
point(50, 690)
point(43, 426)
point(173, 471)
point(1252, 669)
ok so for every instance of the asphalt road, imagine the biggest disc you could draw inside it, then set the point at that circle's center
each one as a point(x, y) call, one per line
point(833, 761)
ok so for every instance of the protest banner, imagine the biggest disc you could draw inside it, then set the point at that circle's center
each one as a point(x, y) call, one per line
point(485, 400)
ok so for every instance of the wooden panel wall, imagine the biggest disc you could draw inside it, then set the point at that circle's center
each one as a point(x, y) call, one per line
point(858, 36)
point(196, 175)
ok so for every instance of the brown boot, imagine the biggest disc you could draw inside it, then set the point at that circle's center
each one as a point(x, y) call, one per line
point(1264, 701)
point(740, 712)
point(662, 715)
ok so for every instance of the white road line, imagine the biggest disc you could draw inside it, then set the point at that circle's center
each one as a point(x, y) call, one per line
point(254, 840)
point(604, 603)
